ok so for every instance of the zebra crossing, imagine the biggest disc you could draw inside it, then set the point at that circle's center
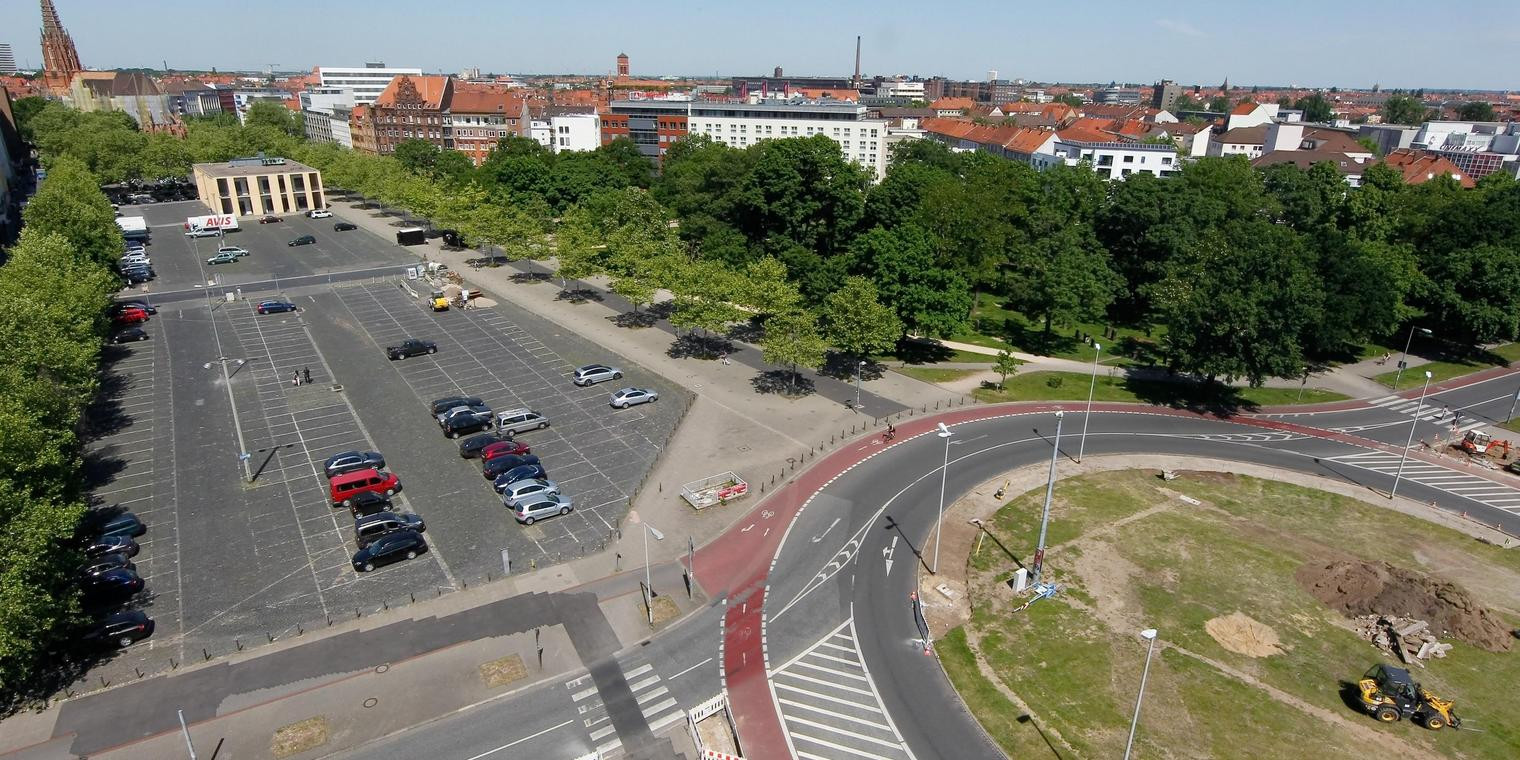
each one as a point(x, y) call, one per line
point(1481, 490)
point(1426, 412)
point(655, 701)
point(830, 707)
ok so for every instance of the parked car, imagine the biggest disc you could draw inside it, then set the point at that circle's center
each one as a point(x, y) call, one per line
point(106, 563)
point(205, 232)
point(539, 506)
point(471, 447)
point(403, 544)
point(343, 487)
point(470, 420)
point(119, 306)
point(349, 461)
point(411, 347)
point(319, 213)
point(114, 522)
point(370, 527)
point(368, 503)
point(130, 316)
point(591, 374)
point(478, 406)
point(135, 276)
point(522, 489)
point(223, 258)
point(523, 472)
point(518, 420)
point(234, 250)
point(275, 306)
point(270, 219)
point(344, 226)
point(441, 405)
point(129, 335)
point(303, 240)
point(501, 464)
point(632, 397)
point(99, 546)
point(133, 259)
point(504, 448)
point(119, 629)
point(110, 587)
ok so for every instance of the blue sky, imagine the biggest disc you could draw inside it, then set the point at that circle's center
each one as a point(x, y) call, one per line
point(1322, 43)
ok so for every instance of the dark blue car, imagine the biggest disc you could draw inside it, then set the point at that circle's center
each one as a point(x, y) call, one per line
point(114, 523)
point(501, 464)
point(522, 472)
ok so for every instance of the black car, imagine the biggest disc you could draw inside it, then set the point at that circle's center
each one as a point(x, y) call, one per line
point(469, 448)
point(303, 240)
point(368, 503)
point(129, 335)
point(344, 226)
point(501, 464)
point(275, 306)
point(350, 461)
point(121, 306)
point(100, 546)
point(411, 347)
point(106, 563)
point(439, 406)
point(114, 523)
point(467, 421)
point(135, 276)
point(402, 544)
point(522, 472)
point(110, 587)
point(370, 527)
point(120, 629)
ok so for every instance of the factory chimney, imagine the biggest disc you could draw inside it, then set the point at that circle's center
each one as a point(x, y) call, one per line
point(856, 81)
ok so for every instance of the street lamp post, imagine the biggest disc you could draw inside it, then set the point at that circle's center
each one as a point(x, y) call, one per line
point(1511, 414)
point(1091, 386)
point(858, 369)
point(1404, 360)
point(944, 471)
point(1050, 489)
point(1419, 409)
point(1150, 635)
point(1305, 384)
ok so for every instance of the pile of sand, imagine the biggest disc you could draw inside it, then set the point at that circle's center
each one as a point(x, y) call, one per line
point(1240, 634)
point(1364, 588)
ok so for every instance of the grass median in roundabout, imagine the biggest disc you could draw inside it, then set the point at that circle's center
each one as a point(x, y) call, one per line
point(1250, 663)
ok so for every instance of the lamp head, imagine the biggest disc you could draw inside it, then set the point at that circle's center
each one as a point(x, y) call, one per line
point(944, 432)
point(1097, 346)
point(1060, 414)
point(1427, 374)
point(1148, 634)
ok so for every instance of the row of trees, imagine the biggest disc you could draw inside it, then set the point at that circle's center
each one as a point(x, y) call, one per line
point(54, 289)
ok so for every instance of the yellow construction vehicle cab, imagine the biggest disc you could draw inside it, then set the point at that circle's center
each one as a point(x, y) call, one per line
point(439, 301)
point(1389, 695)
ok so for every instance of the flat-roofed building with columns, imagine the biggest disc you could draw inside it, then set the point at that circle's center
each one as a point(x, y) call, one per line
point(259, 185)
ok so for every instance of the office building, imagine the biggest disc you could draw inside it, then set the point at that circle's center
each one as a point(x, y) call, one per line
point(1165, 95)
point(326, 114)
point(7, 60)
point(258, 186)
point(367, 83)
point(567, 129)
point(480, 117)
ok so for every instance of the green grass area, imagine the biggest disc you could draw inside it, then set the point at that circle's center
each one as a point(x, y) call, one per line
point(1509, 352)
point(994, 325)
point(1072, 386)
point(1414, 377)
point(1076, 659)
point(935, 374)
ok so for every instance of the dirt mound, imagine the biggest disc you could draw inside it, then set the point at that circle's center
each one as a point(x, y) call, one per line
point(1366, 588)
point(1240, 634)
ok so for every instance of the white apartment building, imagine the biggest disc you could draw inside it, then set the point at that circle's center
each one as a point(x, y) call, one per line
point(740, 125)
point(367, 83)
point(571, 132)
point(326, 113)
point(901, 89)
point(1117, 160)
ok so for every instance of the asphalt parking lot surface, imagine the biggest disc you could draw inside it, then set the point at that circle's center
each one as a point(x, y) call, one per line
point(229, 563)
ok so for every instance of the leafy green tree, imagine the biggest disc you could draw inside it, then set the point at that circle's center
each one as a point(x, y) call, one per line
point(1005, 366)
point(635, 167)
point(1063, 275)
point(1476, 110)
point(519, 166)
point(856, 320)
point(26, 109)
point(37, 570)
point(705, 297)
point(1075, 101)
point(1219, 103)
point(164, 155)
point(801, 190)
point(792, 340)
point(417, 156)
point(1316, 107)
point(276, 115)
point(897, 198)
point(573, 177)
point(929, 299)
point(1402, 109)
point(765, 290)
point(1308, 198)
point(69, 204)
point(453, 168)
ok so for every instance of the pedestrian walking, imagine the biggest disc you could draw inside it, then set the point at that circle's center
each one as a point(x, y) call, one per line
point(306, 375)
point(295, 378)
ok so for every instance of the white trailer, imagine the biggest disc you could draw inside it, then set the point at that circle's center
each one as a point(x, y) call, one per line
point(133, 227)
point(224, 222)
point(718, 489)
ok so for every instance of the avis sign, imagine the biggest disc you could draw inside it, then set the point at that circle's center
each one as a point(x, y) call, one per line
point(213, 222)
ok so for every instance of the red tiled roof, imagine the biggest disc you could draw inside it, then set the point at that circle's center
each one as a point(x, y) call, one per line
point(1243, 109)
point(1332, 140)
point(485, 101)
point(1256, 135)
point(1012, 108)
point(434, 90)
point(820, 93)
point(1419, 167)
point(1058, 111)
point(949, 104)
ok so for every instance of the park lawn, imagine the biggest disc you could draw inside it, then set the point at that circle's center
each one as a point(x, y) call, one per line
point(1509, 352)
point(1173, 566)
point(1072, 386)
point(936, 374)
point(995, 326)
point(1414, 377)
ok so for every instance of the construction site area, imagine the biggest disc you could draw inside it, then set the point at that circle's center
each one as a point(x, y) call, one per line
point(1272, 604)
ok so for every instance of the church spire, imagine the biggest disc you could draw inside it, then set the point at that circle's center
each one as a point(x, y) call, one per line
point(59, 57)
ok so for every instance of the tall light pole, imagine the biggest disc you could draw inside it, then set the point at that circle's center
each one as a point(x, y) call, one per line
point(858, 369)
point(1417, 411)
point(1150, 635)
point(1050, 489)
point(944, 472)
point(1512, 402)
point(1091, 386)
point(1404, 360)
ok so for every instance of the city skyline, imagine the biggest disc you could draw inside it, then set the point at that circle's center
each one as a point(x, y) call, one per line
point(1189, 42)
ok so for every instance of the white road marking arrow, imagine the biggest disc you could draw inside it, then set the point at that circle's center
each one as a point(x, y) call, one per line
point(825, 532)
point(886, 554)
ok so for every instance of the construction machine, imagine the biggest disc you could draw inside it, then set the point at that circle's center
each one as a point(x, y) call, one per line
point(1476, 442)
point(1388, 694)
point(439, 301)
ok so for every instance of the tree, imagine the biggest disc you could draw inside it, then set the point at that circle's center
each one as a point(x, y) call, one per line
point(1402, 109)
point(1476, 110)
point(705, 293)
point(1005, 366)
point(801, 190)
point(1370, 145)
point(857, 322)
point(1064, 276)
point(1316, 107)
point(792, 340)
point(1219, 103)
point(276, 115)
point(765, 290)
point(69, 203)
point(634, 166)
point(929, 299)
point(417, 156)
point(1070, 99)
point(25, 109)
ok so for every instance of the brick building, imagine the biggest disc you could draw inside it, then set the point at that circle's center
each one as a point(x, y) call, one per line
point(479, 117)
point(410, 108)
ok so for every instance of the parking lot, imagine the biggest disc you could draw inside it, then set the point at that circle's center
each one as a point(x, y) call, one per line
point(229, 562)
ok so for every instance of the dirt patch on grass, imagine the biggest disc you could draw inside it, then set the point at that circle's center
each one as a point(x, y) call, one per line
point(665, 610)
point(299, 737)
point(1366, 588)
point(1209, 476)
point(503, 671)
point(1240, 634)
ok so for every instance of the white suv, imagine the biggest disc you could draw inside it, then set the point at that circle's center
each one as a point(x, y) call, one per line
point(319, 213)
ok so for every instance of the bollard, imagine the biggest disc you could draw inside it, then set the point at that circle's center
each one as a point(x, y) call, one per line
point(414, 595)
point(103, 682)
point(762, 487)
point(239, 644)
point(206, 655)
point(773, 480)
point(831, 440)
point(300, 630)
point(356, 613)
point(439, 589)
point(270, 636)
point(936, 405)
point(533, 564)
point(329, 620)
point(138, 671)
point(661, 487)
point(172, 664)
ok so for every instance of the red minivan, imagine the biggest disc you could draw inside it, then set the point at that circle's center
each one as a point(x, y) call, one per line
point(343, 487)
point(503, 448)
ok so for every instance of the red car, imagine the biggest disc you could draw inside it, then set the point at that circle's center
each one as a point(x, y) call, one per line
point(130, 316)
point(502, 449)
point(270, 220)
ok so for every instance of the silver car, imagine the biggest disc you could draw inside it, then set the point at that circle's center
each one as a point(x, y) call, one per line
point(539, 506)
point(518, 420)
point(443, 415)
point(591, 374)
point(633, 396)
point(523, 490)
